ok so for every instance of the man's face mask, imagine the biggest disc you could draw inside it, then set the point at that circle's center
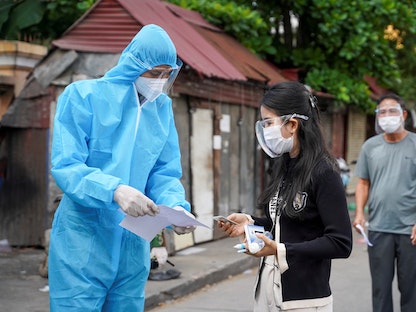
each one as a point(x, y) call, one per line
point(150, 88)
point(390, 124)
point(389, 119)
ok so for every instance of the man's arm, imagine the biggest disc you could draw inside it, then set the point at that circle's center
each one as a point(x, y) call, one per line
point(361, 197)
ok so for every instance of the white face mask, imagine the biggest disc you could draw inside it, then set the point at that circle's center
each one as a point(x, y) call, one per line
point(276, 142)
point(390, 124)
point(150, 88)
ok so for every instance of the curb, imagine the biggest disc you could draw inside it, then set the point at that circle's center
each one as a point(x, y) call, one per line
point(190, 285)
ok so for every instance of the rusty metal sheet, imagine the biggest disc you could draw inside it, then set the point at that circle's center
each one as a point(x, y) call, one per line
point(219, 90)
point(110, 24)
point(106, 27)
point(29, 112)
point(192, 48)
point(250, 65)
point(22, 197)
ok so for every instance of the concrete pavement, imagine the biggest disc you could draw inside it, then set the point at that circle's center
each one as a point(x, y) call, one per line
point(199, 266)
point(21, 288)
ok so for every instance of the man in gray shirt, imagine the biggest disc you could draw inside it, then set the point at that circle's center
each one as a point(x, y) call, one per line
point(386, 169)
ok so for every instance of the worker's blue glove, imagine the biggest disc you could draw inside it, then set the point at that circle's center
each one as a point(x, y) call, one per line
point(134, 202)
point(183, 229)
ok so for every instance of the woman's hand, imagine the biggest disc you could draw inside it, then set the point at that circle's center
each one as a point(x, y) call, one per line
point(270, 247)
point(234, 230)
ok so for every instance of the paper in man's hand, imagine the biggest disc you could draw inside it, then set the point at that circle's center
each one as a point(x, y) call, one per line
point(148, 226)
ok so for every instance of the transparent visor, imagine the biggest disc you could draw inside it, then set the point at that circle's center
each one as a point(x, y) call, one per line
point(384, 112)
point(162, 74)
point(173, 74)
point(272, 122)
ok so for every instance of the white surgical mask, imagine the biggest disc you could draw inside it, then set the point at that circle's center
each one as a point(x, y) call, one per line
point(390, 124)
point(276, 142)
point(150, 88)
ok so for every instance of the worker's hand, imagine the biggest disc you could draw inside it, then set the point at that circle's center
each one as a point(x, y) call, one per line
point(183, 229)
point(160, 253)
point(413, 235)
point(134, 202)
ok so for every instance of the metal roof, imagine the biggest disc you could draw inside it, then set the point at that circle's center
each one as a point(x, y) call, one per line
point(107, 27)
point(110, 25)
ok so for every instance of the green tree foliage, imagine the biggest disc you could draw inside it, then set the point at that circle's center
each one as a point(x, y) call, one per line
point(239, 20)
point(39, 21)
point(336, 43)
point(407, 67)
point(347, 41)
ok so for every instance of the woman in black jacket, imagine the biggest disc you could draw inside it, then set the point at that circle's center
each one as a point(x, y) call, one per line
point(305, 206)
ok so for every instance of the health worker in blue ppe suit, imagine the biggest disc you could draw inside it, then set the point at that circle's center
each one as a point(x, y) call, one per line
point(115, 151)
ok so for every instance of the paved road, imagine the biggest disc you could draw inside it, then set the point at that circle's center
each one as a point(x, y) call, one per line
point(350, 283)
point(233, 294)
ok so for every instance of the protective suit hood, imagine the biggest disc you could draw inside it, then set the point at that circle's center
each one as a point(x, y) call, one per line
point(150, 47)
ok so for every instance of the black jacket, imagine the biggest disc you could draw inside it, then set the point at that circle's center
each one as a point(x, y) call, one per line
point(323, 233)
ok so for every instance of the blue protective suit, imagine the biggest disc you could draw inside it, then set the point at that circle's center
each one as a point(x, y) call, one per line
point(103, 137)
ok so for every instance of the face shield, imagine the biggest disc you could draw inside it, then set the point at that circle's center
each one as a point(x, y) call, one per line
point(172, 77)
point(269, 136)
point(156, 80)
point(388, 119)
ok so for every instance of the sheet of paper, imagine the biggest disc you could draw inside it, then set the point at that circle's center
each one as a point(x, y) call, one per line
point(358, 226)
point(148, 226)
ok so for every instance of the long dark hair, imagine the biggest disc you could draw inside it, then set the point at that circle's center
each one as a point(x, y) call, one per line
point(288, 98)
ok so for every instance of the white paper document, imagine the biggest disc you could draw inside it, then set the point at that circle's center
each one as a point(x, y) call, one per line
point(358, 226)
point(148, 226)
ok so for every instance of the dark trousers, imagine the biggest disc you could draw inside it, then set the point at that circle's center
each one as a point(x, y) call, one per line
point(390, 251)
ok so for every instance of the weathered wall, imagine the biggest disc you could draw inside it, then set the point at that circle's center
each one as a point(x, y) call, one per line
point(22, 197)
point(357, 134)
point(22, 152)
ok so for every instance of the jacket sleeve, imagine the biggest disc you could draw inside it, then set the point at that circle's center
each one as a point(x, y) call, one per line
point(85, 185)
point(336, 238)
point(164, 185)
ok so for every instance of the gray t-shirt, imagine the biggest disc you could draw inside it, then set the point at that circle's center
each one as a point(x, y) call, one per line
point(391, 169)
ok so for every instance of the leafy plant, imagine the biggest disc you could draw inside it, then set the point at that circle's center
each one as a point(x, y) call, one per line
point(351, 37)
point(241, 21)
point(39, 21)
point(336, 42)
